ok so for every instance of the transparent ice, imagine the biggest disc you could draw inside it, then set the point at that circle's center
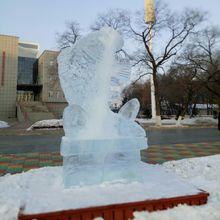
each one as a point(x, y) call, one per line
point(98, 145)
point(130, 109)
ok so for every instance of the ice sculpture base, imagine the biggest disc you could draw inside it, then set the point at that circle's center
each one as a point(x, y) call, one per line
point(88, 162)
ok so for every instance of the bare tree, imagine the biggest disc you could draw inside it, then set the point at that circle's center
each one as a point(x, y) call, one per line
point(141, 91)
point(176, 27)
point(118, 19)
point(70, 36)
point(180, 89)
point(203, 54)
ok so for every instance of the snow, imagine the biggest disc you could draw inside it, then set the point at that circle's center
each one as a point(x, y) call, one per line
point(42, 190)
point(186, 121)
point(204, 173)
point(199, 121)
point(205, 106)
point(3, 124)
point(51, 123)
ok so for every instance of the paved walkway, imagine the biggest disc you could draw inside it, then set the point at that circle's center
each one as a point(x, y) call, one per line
point(15, 163)
point(161, 153)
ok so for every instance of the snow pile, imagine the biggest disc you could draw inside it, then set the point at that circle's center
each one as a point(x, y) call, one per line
point(202, 172)
point(42, 190)
point(186, 121)
point(3, 124)
point(145, 121)
point(169, 122)
point(52, 123)
point(199, 121)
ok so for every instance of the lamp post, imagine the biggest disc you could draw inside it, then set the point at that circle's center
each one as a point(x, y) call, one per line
point(150, 19)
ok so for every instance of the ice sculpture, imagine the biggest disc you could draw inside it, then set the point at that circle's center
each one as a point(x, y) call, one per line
point(98, 145)
point(130, 109)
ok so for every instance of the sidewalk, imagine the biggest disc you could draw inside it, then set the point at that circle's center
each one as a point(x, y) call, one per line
point(16, 163)
point(161, 153)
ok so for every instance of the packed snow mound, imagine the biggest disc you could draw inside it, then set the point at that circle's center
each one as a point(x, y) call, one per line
point(203, 173)
point(199, 121)
point(52, 123)
point(46, 184)
point(42, 190)
point(186, 121)
point(4, 124)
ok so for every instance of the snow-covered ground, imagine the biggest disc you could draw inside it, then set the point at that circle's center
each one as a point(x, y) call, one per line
point(42, 189)
point(57, 123)
point(51, 123)
point(185, 122)
point(204, 173)
point(3, 124)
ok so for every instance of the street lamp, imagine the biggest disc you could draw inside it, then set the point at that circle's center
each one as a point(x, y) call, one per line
point(150, 19)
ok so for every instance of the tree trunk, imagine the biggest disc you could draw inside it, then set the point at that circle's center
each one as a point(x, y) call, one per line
point(157, 98)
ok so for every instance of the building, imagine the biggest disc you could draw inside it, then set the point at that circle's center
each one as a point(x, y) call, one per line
point(28, 81)
point(51, 93)
point(29, 84)
point(8, 75)
point(27, 87)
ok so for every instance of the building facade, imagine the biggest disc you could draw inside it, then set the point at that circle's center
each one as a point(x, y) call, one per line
point(8, 75)
point(26, 77)
point(27, 87)
point(51, 93)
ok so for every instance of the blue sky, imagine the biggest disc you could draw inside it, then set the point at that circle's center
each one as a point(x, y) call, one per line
point(38, 21)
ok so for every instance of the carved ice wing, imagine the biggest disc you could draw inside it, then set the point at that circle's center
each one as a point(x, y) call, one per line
point(130, 109)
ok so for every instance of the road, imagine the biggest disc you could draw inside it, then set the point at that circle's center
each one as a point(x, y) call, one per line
point(47, 143)
point(185, 135)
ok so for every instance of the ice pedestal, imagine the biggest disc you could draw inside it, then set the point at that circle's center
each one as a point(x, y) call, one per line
point(88, 162)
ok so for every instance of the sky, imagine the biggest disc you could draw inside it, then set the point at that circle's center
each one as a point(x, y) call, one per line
point(38, 21)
